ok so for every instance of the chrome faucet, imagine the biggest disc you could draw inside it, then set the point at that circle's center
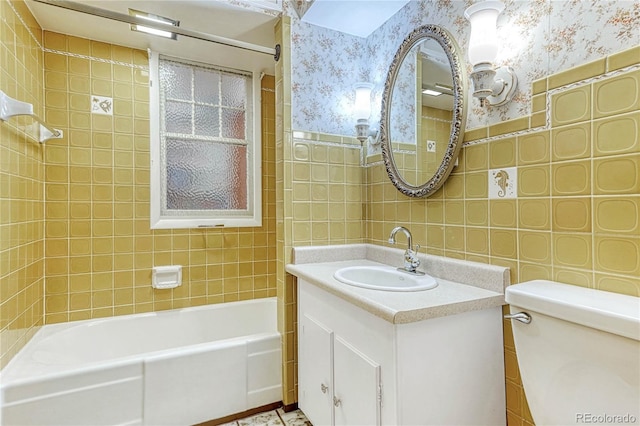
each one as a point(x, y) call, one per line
point(411, 261)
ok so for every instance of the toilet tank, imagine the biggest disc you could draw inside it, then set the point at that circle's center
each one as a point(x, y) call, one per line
point(579, 357)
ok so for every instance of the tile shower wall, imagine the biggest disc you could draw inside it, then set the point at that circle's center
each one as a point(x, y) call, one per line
point(100, 250)
point(576, 218)
point(21, 184)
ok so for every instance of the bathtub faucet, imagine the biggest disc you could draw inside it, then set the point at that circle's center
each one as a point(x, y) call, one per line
point(411, 261)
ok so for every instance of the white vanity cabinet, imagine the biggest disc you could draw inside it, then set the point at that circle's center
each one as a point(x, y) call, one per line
point(339, 367)
point(355, 368)
point(342, 385)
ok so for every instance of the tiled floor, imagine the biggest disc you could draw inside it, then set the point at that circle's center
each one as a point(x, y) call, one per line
point(273, 418)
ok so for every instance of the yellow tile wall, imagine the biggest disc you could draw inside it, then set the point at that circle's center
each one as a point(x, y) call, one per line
point(320, 194)
point(576, 218)
point(99, 248)
point(21, 183)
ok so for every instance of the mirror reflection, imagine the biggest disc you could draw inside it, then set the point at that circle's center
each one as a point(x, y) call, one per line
point(423, 111)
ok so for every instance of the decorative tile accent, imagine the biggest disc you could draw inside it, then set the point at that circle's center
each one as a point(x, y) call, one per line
point(101, 105)
point(503, 183)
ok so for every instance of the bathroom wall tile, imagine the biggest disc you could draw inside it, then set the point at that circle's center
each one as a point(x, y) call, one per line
point(534, 271)
point(572, 214)
point(476, 185)
point(539, 103)
point(571, 178)
point(572, 276)
point(618, 255)
point(509, 126)
point(454, 212)
point(454, 238)
point(475, 134)
point(476, 157)
point(533, 181)
point(616, 135)
point(502, 153)
point(538, 120)
point(454, 187)
point(578, 73)
point(503, 213)
point(513, 397)
point(619, 175)
point(616, 284)
point(571, 142)
point(617, 95)
point(573, 250)
point(623, 59)
point(511, 370)
point(534, 213)
point(539, 86)
point(533, 148)
point(53, 62)
point(535, 247)
point(617, 215)
point(80, 66)
point(477, 212)
point(503, 243)
point(477, 240)
point(571, 106)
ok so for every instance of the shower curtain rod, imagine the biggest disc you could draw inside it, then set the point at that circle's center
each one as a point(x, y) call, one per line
point(117, 16)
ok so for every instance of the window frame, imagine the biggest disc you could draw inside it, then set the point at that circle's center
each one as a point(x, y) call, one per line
point(254, 160)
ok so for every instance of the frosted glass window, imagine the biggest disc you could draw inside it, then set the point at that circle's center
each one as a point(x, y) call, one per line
point(208, 154)
point(206, 176)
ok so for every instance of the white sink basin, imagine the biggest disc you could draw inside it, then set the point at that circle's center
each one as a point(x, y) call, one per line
point(385, 278)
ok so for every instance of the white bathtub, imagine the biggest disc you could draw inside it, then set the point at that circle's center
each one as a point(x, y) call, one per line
point(175, 367)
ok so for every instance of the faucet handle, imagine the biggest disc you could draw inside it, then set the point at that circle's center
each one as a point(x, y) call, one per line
point(411, 261)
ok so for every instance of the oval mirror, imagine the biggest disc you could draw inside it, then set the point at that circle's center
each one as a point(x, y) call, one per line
point(423, 111)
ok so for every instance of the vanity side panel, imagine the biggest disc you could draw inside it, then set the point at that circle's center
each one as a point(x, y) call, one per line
point(372, 336)
point(450, 370)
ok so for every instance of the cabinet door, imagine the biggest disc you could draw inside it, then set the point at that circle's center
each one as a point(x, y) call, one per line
point(357, 388)
point(315, 384)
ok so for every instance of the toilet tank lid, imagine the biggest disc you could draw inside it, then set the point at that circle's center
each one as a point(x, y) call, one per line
point(602, 310)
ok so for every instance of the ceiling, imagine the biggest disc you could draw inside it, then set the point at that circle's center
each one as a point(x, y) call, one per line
point(252, 23)
point(355, 17)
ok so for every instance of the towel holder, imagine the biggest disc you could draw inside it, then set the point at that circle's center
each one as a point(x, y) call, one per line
point(10, 107)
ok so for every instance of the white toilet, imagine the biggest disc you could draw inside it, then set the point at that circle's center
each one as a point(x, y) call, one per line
point(579, 355)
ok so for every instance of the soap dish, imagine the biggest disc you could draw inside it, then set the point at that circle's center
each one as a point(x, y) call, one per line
point(164, 277)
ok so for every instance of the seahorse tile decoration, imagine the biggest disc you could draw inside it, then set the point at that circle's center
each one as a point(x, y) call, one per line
point(101, 105)
point(503, 183)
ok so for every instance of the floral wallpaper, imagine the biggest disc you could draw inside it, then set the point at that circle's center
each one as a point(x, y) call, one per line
point(538, 37)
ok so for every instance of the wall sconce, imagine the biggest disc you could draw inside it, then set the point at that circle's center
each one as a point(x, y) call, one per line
point(362, 111)
point(495, 85)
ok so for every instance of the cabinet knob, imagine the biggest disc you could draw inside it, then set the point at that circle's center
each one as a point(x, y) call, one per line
point(336, 401)
point(323, 388)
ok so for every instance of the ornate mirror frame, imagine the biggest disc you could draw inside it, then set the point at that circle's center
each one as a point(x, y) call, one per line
point(459, 112)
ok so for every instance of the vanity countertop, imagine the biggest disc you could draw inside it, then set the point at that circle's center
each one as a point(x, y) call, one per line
point(462, 286)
